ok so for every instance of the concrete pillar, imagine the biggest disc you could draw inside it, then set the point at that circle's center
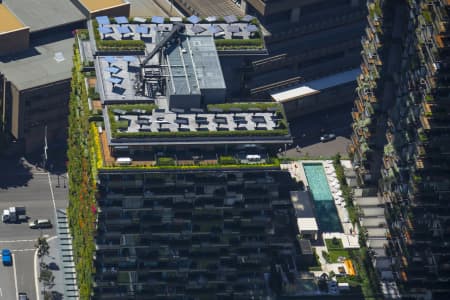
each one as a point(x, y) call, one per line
point(295, 15)
point(244, 6)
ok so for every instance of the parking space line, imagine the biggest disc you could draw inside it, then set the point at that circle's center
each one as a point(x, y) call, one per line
point(23, 250)
point(15, 276)
point(1, 292)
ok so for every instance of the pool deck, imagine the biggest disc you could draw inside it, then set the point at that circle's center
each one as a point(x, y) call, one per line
point(297, 172)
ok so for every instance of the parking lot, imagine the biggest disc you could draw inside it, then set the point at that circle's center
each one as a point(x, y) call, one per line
point(22, 186)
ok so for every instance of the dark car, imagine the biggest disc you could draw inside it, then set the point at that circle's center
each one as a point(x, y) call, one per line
point(327, 137)
point(23, 296)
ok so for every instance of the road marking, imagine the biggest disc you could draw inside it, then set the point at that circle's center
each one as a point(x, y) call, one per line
point(23, 250)
point(53, 196)
point(36, 278)
point(1, 292)
point(17, 241)
point(15, 276)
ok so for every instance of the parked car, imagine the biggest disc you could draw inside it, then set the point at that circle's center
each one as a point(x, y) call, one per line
point(41, 223)
point(327, 137)
point(23, 296)
point(6, 257)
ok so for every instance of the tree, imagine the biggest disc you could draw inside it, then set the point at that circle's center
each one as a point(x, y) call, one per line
point(47, 279)
point(42, 247)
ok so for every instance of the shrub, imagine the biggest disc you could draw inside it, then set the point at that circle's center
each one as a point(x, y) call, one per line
point(165, 161)
point(223, 44)
point(227, 160)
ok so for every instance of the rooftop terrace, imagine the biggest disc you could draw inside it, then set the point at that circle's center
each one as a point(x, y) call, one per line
point(9, 22)
point(238, 123)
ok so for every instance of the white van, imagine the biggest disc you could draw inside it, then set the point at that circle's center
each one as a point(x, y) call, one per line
point(124, 161)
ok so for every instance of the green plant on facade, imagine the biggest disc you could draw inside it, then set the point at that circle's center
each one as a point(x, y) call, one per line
point(362, 262)
point(82, 187)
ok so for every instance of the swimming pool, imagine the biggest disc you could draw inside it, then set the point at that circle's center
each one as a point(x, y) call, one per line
point(326, 212)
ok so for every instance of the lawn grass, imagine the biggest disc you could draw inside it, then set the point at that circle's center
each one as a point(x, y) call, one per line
point(335, 254)
point(334, 244)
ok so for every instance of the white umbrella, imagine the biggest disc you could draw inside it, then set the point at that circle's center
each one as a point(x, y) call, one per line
point(339, 193)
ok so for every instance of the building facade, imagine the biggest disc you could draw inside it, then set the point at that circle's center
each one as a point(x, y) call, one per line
point(190, 202)
point(401, 137)
point(306, 40)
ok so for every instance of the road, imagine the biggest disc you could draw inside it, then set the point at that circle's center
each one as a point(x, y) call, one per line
point(39, 192)
point(307, 130)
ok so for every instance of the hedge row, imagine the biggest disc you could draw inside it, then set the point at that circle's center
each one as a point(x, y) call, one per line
point(239, 43)
point(245, 106)
point(129, 107)
point(165, 134)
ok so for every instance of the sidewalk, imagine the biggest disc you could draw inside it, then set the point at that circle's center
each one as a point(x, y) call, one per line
point(53, 261)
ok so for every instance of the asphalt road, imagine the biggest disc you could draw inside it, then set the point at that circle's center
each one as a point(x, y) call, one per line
point(307, 130)
point(40, 193)
point(7, 281)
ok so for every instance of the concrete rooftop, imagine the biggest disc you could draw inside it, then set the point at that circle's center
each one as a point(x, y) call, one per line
point(37, 66)
point(44, 14)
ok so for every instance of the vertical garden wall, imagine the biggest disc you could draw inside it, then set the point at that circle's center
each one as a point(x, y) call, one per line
point(82, 187)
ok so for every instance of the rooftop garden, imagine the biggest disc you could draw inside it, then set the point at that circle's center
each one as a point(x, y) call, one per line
point(113, 45)
point(256, 41)
point(280, 130)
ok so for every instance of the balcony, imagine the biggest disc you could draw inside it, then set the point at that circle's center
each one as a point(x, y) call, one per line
point(425, 122)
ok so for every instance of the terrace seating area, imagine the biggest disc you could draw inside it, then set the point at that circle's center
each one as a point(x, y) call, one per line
point(333, 183)
point(178, 120)
point(121, 28)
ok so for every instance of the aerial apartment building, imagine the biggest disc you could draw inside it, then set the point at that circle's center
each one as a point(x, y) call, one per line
point(400, 144)
point(179, 193)
point(306, 40)
point(36, 40)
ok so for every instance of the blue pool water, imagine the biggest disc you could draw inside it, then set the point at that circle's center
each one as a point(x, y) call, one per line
point(326, 212)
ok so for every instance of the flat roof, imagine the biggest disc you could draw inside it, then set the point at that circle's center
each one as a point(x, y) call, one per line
point(302, 203)
point(197, 68)
point(94, 5)
point(307, 224)
point(43, 14)
point(38, 66)
point(315, 86)
point(9, 21)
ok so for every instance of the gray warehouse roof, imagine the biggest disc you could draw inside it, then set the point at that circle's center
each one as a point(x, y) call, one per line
point(39, 65)
point(43, 14)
